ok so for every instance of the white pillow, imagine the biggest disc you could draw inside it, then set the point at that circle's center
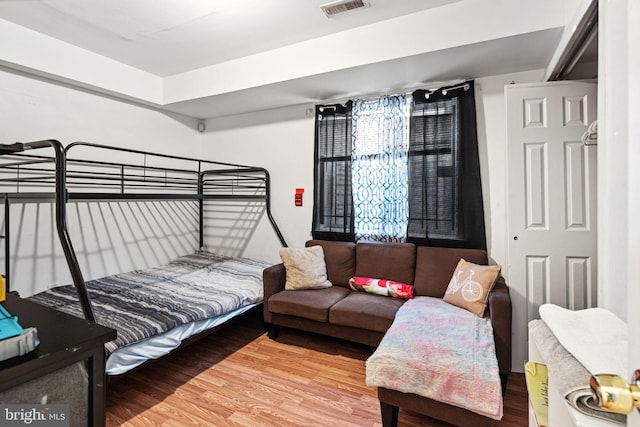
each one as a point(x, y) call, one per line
point(305, 268)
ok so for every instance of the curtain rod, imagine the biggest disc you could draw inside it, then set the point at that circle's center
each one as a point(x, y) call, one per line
point(464, 86)
point(438, 86)
point(445, 90)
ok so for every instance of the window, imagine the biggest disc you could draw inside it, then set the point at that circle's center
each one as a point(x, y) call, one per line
point(400, 169)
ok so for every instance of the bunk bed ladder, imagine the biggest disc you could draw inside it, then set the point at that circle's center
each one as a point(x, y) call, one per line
point(7, 245)
point(274, 225)
point(8, 149)
point(63, 233)
point(61, 221)
point(201, 204)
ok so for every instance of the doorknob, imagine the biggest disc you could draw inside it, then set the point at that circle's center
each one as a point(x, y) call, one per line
point(613, 394)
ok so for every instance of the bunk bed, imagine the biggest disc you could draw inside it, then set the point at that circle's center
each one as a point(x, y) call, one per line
point(155, 310)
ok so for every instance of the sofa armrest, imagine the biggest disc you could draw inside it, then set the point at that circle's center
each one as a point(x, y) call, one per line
point(273, 280)
point(500, 312)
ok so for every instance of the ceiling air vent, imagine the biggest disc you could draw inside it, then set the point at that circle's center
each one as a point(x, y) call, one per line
point(341, 6)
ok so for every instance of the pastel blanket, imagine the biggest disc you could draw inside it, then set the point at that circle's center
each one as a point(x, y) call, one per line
point(442, 352)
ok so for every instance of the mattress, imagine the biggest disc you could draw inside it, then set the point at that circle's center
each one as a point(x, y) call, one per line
point(154, 309)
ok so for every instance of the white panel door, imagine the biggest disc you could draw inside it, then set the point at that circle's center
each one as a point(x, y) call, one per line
point(551, 201)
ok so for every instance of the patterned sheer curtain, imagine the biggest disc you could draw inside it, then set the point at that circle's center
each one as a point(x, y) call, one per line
point(380, 145)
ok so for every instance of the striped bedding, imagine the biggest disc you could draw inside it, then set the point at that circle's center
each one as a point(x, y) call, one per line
point(145, 303)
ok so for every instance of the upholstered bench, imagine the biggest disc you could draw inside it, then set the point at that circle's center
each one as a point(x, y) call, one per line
point(439, 360)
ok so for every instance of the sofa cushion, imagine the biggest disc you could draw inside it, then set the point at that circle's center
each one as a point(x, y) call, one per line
point(391, 261)
point(470, 286)
point(365, 311)
point(311, 304)
point(305, 268)
point(435, 266)
point(340, 258)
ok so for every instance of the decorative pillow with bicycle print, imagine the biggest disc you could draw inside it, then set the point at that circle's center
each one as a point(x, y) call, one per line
point(470, 286)
point(381, 287)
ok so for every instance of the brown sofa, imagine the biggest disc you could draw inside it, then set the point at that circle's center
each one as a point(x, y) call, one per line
point(361, 317)
point(364, 318)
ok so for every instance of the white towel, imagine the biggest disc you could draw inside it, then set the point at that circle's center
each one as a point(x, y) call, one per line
point(594, 336)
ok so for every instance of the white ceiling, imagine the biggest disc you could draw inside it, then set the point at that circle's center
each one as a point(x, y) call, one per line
point(210, 58)
point(166, 37)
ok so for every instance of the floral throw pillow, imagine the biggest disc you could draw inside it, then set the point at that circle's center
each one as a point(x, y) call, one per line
point(381, 287)
point(470, 286)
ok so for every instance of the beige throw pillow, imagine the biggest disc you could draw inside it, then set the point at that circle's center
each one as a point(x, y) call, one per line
point(305, 268)
point(470, 286)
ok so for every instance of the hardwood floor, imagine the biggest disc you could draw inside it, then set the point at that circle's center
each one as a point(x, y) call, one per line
point(239, 377)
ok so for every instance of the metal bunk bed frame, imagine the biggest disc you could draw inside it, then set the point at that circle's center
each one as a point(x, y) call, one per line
point(233, 182)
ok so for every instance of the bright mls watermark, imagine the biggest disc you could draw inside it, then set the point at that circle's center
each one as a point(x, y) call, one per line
point(34, 415)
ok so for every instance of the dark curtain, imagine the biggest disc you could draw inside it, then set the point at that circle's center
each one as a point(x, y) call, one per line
point(333, 203)
point(445, 193)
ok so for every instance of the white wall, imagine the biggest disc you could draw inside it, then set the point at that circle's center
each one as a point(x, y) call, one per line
point(573, 9)
point(282, 141)
point(633, 112)
point(613, 152)
point(617, 159)
point(108, 238)
point(618, 172)
point(35, 109)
